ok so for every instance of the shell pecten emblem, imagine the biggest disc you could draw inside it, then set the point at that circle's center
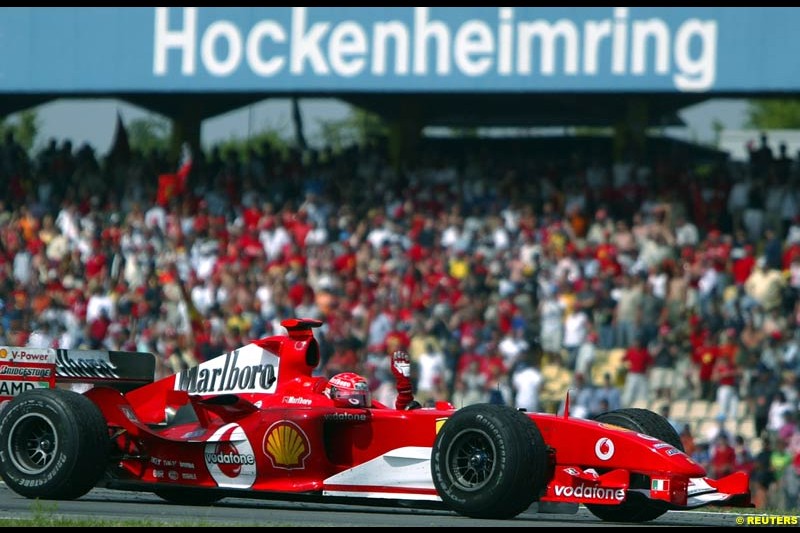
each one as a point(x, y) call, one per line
point(439, 423)
point(3, 353)
point(286, 445)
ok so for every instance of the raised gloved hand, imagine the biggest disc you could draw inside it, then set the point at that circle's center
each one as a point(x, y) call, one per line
point(401, 364)
point(401, 369)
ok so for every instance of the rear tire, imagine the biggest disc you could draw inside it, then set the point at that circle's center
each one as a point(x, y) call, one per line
point(637, 509)
point(489, 461)
point(54, 444)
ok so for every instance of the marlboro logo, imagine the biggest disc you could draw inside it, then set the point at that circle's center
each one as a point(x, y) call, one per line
point(231, 377)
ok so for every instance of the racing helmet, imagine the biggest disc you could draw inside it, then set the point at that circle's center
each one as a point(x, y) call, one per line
point(348, 389)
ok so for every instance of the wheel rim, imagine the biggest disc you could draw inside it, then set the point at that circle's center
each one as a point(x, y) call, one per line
point(471, 459)
point(32, 444)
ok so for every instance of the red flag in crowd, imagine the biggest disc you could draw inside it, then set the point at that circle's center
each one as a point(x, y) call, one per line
point(184, 168)
point(167, 188)
point(171, 185)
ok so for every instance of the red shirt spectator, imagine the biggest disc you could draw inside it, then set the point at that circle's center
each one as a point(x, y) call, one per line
point(789, 254)
point(249, 245)
point(638, 358)
point(250, 217)
point(96, 264)
point(743, 267)
point(704, 357)
point(98, 330)
point(723, 457)
point(725, 370)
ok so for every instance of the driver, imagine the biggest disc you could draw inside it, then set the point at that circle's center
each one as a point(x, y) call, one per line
point(348, 389)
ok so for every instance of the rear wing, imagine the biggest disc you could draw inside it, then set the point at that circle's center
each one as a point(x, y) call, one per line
point(23, 368)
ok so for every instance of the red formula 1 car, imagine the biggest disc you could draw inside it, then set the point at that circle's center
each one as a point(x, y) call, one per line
point(255, 423)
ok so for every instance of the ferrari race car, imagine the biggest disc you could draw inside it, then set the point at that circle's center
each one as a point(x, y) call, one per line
point(255, 423)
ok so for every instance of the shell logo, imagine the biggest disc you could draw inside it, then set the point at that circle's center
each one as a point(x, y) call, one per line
point(286, 445)
point(3, 353)
point(613, 426)
point(439, 423)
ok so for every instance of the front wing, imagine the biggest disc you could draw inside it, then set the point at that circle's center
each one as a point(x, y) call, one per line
point(572, 484)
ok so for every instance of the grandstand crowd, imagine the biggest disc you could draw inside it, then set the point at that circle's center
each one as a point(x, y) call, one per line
point(510, 276)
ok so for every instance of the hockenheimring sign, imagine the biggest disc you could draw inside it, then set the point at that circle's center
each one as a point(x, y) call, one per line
point(429, 49)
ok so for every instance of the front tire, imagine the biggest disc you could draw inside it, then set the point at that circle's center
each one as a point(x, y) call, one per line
point(489, 461)
point(637, 509)
point(54, 444)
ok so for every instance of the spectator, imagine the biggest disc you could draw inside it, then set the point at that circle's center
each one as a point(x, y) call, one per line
point(662, 373)
point(702, 455)
point(714, 431)
point(778, 408)
point(761, 396)
point(587, 352)
point(763, 475)
point(554, 384)
point(474, 382)
point(580, 398)
point(686, 232)
point(637, 360)
point(666, 413)
point(627, 311)
point(687, 440)
point(98, 329)
point(551, 325)
point(726, 375)
point(606, 397)
point(498, 387)
point(765, 285)
point(464, 395)
point(432, 369)
point(526, 383)
point(744, 458)
point(789, 426)
point(576, 329)
point(704, 358)
point(780, 461)
point(723, 457)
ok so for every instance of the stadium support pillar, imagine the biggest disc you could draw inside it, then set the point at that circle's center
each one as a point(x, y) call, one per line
point(185, 128)
point(630, 133)
point(404, 136)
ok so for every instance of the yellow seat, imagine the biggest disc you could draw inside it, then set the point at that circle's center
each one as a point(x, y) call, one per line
point(679, 408)
point(698, 409)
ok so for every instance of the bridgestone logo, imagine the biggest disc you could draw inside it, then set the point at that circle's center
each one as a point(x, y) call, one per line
point(25, 371)
point(229, 459)
point(595, 493)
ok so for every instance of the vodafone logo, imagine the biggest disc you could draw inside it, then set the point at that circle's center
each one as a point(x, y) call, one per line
point(594, 493)
point(604, 448)
point(229, 457)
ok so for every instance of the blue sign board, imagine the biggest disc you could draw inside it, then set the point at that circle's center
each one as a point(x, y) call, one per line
point(399, 49)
